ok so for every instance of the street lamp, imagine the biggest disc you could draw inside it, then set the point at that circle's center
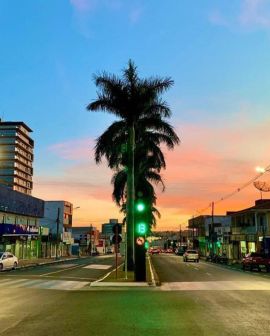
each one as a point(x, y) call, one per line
point(260, 170)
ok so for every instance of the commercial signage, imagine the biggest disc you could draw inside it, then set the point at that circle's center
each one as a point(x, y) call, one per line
point(67, 237)
point(101, 243)
point(18, 229)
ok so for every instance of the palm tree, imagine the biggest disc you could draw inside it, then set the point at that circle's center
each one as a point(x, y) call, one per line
point(138, 105)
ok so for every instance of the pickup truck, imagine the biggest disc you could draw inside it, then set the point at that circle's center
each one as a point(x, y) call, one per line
point(257, 261)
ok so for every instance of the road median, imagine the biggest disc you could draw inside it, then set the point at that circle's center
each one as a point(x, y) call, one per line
point(119, 277)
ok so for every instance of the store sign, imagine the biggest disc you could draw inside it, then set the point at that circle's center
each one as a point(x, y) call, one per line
point(18, 229)
point(67, 237)
point(101, 243)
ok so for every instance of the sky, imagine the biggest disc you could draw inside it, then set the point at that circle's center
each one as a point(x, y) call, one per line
point(216, 51)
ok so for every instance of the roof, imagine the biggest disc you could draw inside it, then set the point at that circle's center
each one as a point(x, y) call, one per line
point(16, 123)
point(262, 204)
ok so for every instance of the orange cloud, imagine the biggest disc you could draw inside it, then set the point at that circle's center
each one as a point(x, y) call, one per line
point(211, 162)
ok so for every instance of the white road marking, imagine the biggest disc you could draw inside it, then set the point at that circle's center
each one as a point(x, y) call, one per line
point(62, 270)
point(105, 276)
point(97, 266)
point(64, 265)
point(208, 273)
point(51, 284)
point(215, 285)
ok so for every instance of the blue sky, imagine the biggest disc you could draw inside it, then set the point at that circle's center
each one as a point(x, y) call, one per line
point(217, 52)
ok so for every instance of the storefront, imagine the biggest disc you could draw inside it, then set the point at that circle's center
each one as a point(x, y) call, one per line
point(21, 240)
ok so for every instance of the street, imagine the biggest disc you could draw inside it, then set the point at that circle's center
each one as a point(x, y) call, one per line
point(68, 275)
point(192, 300)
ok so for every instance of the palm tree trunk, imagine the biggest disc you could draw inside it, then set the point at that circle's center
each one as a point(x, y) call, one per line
point(130, 199)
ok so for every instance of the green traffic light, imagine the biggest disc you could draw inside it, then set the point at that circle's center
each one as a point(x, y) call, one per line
point(146, 245)
point(141, 228)
point(140, 207)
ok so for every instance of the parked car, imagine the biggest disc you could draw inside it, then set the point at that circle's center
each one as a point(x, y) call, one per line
point(154, 251)
point(217, 258)
point(169, 250)
point(8, 261)
point(255, 260)
point(191, 255)
point(180, 250)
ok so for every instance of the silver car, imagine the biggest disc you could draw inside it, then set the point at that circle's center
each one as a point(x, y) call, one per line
point(8, 261)
point(191, 255)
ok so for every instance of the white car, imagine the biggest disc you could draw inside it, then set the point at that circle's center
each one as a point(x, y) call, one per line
point(8, 261)
point(191, 255)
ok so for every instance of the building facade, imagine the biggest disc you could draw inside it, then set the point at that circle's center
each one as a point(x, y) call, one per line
point(251, 229)
point(58, 220)
point(16, 158)
point(210, 234)
point(19, 223)
point(107, 228)
point(87, 237)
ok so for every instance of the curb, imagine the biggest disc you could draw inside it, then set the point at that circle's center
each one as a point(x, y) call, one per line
point(119, 284)
point(148, 284)
point(155, 279)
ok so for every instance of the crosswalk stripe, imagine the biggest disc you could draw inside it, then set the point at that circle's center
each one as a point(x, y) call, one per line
point(215, 285)
point(15, 283)
point(41, 284)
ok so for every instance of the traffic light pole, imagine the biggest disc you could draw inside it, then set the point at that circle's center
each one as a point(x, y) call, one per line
point(141, 231)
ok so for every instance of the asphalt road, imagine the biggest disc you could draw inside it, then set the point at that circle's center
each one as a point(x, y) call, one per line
point(171, 268)
point(67, 275)
point(185, 304)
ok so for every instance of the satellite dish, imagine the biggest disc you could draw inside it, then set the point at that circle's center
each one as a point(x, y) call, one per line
point(262, 186)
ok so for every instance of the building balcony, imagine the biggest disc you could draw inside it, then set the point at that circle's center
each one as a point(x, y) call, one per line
point(244, 230)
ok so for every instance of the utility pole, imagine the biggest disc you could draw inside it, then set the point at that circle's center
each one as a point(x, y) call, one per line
point(193, 232)
point(212, 228)
point(180, 236)
point(90, 241)
point(57, 233)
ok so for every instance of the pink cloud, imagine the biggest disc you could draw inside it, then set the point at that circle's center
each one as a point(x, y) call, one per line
point(77, 149)
point(252, 14)
point(84, 5)
point(255, 12)
point(135, 15)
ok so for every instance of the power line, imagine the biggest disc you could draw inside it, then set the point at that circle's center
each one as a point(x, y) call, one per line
point(236, 191)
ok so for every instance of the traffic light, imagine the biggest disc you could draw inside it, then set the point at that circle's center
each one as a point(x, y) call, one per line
point(117, 230)
point(140, 206)
point(146, 245)
point(141, 230)
point(141, 218)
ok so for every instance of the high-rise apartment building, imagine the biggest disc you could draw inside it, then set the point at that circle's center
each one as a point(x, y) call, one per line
point(16, 156)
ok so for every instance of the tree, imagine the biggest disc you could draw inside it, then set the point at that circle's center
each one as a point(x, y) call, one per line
point(138, 104)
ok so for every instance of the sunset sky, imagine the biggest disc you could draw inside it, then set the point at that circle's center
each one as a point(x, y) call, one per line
point(216, 51)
